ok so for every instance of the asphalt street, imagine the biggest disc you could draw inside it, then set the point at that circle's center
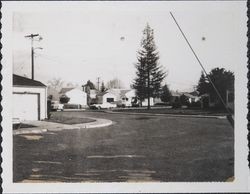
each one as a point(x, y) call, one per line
point(135, 148)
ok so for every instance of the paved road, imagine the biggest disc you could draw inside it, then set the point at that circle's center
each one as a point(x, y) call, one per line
point(135, 148)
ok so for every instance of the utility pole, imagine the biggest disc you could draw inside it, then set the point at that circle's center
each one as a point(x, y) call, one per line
point(32, 36)
point(98, 83)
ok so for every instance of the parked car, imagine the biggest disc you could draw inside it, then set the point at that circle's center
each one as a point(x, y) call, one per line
point(55, 106)
point(105, 105)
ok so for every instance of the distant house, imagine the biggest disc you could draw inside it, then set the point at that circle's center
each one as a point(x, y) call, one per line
point(29, 100)
point(175, 96)
point(121, 96)
point(130, 97)
point(192, 96)
point(104, 97)
point(93, 93)
point(127, 97)
point(76, 96)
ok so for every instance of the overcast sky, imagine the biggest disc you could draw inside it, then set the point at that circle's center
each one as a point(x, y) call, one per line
point(85, 43)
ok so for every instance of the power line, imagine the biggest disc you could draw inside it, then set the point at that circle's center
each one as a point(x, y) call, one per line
point(217, 92)
point(32, 36)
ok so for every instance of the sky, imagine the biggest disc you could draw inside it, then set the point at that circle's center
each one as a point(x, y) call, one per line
point(101, 39)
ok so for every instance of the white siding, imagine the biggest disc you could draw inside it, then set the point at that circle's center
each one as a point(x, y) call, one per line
point(108, 95)
point(25, 106)
point(77, 97)
point(28, 100)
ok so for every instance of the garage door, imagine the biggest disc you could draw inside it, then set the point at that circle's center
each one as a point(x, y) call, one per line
point(25, 106)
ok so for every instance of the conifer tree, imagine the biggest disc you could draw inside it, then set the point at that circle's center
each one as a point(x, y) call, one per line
point(149, 73)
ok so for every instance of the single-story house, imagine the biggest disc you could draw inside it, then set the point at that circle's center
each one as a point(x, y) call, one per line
point(104, 97)
point(29, 99)
point(92, 93)
point(126, 97)
point(75, 95)
point(130, 96)
point(191, 97)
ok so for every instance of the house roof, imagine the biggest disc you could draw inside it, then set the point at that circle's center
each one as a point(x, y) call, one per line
point(102, 93)
point(194, 93)
point(175, 93)
point(123, 92)
point(189, 95)
point(24, 81)
point(64, 90)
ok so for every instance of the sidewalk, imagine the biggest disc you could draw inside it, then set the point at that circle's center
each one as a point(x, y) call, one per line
point(45, 126)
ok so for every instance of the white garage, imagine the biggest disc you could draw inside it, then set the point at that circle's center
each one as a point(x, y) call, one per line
point(29, 99)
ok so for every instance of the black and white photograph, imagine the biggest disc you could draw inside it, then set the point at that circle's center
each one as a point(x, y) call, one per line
point(151, 94)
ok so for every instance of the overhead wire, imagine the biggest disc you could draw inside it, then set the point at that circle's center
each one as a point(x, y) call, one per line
point(203, 68)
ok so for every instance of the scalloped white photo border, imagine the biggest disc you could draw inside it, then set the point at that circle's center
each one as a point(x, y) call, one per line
point(241, 182)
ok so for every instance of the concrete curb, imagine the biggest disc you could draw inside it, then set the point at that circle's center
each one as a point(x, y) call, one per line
point(54, 127)
point(95, 124)
point(170, 115)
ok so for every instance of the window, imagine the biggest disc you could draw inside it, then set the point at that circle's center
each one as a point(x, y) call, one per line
point(110, 99)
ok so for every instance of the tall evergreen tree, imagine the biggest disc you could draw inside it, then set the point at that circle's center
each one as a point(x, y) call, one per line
point(203, 84)
point(149, 73)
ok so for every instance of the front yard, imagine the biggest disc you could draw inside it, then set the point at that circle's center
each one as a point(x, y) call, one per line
point(135, 148)
point(163, 110)
point(57, 118)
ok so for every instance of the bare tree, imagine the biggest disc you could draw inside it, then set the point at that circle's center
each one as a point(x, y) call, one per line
point(54, 87)
point(114, 84)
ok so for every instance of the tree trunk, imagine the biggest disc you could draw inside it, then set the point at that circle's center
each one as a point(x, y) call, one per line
point(148, 90)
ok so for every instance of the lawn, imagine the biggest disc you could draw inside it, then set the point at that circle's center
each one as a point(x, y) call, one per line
point(182, 111)
point(69, 120)
point(135, 148)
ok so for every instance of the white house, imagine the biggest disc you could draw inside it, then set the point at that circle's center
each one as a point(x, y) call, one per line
point(104, 97)
point(191, 97)
point(29, 99)
point(130, 96)
point(75, 95)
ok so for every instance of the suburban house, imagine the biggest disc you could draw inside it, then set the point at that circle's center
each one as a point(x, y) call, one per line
point(192, 96)
point(128, 97)
point(104, 97)
point(29, 99)
point(92, 93)
point(76, 96)
point(120, 95)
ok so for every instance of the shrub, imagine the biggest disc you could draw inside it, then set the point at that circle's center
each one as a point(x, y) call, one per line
point(184, 100)
point(64, 99)
point(195, 104)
